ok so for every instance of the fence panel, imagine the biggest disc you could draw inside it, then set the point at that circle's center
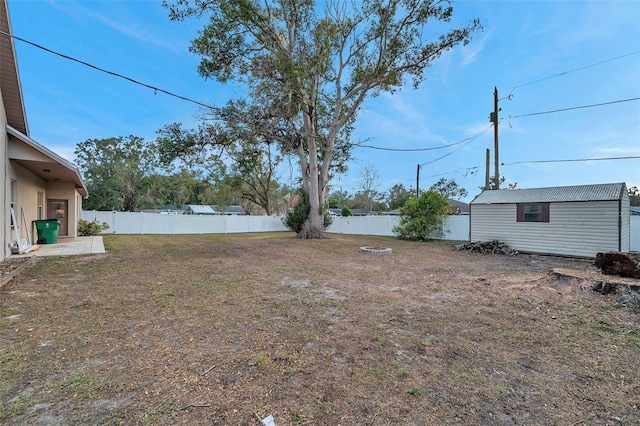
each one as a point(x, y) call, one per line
point(152, 223)
point(363, 225)
point(635, 233)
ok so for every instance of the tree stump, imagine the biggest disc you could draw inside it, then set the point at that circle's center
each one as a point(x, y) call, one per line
point(619, 263)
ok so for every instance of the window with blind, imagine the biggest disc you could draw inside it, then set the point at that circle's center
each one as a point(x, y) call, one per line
point(534, 212)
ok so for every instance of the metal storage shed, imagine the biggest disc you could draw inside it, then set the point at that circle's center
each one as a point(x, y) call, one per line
point(577, 220)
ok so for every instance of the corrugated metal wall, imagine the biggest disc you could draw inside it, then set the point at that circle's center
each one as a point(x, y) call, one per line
point(575, 229)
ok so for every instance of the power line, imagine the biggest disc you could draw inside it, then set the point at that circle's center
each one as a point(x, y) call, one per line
point(455, 150)
point(574, 70)
point(573, 160)
point(576, 107)
point(469, 139)
point(115, 74)
point(468, 170)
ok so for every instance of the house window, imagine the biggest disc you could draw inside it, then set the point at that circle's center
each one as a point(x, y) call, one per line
point(537, 212)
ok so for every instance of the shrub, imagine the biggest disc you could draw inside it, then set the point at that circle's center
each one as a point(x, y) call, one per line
point(346, 211)
point(294, 220)
point(423, 218)
point(88, 229)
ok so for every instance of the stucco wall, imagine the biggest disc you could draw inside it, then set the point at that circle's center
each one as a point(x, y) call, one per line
point(28, 186)
point(574, 228)
point(67, 191)
point(5, 226)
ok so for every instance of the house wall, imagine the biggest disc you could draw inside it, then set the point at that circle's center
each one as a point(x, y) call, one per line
point(574, 228)
point(28, 186)
point(67, 191)
point(5, 225)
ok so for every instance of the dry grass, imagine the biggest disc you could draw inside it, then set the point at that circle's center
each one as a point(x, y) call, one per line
point(223, 329)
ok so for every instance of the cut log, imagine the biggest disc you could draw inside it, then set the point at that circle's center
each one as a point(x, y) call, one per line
point(619, 263)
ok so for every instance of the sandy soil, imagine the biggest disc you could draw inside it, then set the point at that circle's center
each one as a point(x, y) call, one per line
point(227, 329)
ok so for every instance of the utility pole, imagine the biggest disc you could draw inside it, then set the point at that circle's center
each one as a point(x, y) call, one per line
point(494, 117)
point(487, 184)
point(418, 182)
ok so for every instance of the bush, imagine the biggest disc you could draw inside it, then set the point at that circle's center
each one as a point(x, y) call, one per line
point(89, 229)
point(296, 216)
point(346, 211)
point(423, 218)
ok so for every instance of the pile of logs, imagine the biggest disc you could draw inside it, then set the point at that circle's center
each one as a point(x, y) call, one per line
point(619, 263)
point(494, 247)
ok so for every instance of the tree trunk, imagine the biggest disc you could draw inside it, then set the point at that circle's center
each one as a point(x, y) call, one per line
point(311, 230)
point(313, 227)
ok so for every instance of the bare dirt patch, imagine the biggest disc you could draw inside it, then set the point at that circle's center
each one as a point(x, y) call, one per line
point(226, 329)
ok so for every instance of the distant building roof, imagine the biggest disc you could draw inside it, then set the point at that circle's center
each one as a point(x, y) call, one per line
point(464, 207)
point(235, 210)
point(195, 209)
point(635, 210)
point(597, 192)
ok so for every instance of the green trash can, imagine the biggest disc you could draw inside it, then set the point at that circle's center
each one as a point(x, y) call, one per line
point(47, 231)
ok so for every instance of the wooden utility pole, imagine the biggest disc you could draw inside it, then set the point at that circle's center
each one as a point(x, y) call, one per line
point(487, 184)
point(418, 182)
point(495, 139)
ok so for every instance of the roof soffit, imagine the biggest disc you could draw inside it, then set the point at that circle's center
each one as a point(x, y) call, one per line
point(9, 76)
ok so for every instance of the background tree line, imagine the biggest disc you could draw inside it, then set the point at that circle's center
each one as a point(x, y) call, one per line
point(131, 174)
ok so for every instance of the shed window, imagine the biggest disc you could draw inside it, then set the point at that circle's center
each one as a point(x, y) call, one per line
point(538, 212)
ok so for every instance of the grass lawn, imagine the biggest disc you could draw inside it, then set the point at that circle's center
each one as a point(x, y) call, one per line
point(227, 329)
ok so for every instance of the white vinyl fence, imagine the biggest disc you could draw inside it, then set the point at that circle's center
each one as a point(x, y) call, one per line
point(635, 233)
point(153, 223)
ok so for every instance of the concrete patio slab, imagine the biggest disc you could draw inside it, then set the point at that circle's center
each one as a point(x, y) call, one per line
point(67, 247)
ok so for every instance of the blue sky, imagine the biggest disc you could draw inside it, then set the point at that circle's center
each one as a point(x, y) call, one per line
point(541, 55)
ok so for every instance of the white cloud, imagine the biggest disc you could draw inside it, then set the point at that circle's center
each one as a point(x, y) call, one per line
point(471, 51)
point(619, 150)
point(137, 31)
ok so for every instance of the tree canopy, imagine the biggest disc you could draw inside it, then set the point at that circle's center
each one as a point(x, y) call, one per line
point(634, 196)
point(114, 170)
point(309, 71)
point(449, 188)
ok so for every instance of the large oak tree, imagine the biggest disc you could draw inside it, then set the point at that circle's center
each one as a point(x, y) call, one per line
point(311, 66)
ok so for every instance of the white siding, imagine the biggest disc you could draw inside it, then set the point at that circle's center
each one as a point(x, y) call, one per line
point(575, 229)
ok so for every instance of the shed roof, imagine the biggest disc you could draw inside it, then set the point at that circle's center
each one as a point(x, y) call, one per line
point(556, 194)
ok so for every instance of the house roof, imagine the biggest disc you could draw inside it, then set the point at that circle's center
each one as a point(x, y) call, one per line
point(9, 77)
point(34, 157)
point(464, 207)
point(557, 194)
point(234, 209)
point(43, 162)
point(196, 209)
